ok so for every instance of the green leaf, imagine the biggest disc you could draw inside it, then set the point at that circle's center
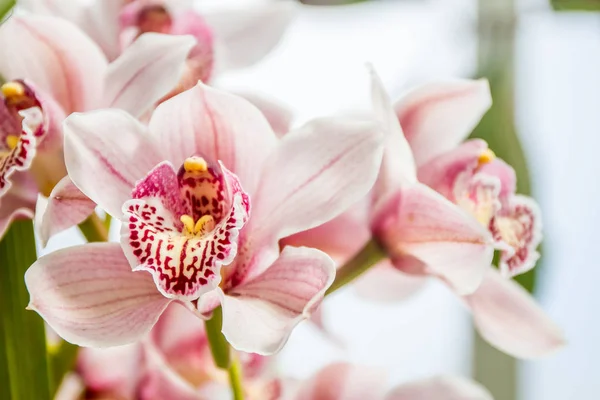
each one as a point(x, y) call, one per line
point(23, 331)
point(576, 5)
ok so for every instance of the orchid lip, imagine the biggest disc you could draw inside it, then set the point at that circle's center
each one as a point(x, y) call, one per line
point(182, 227)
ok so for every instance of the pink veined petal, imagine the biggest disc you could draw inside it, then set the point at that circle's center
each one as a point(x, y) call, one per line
point(100, 20)
point(67, 206)
point(106, 152)
point(341, 238)
point(342, 381)
point(113, 371)
point(440, 388)
point(184, 266)
point(438, 116)
point(505, 173)
point(510, 319)
point(90, 297)
point(19, 201)
point(58, 57)
point(279, 115)
point(219, 127)
point(153, 57)
point(247, 34)
point(385, 283)
point(398, 165)
point(316, 173)
point(259, 315)
point(420, 223)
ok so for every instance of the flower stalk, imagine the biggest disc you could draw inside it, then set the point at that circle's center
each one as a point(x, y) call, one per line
point(23, 331)
point(368, 256)
point(94, 229)
point(235, 379)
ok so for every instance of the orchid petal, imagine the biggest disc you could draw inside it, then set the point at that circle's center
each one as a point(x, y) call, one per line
point(342, 381)
point(153, 57)
point(67, 206)
point(259, 315)
point(113, 370)
point(316, 173)
point(440, 388)
point(217, 126)
point(438, 116)
point(100, 20)
point(279, 115)
point(106, 152)
point(246, 35)
point(19, 201)
point(420, 223)
point(57, 56)
point(398, 165)
point(90, 297)
point(509, 318)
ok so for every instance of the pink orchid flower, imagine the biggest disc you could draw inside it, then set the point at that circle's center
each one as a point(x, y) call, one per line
point(469, 176)
point(171, 363)
point(54, 70)
point(226, 38)
point(342, 381)
point(182, 188)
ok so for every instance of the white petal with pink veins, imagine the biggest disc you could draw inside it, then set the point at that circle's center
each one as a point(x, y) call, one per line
point(259, 315)
point(440, 388)
point(89, 295)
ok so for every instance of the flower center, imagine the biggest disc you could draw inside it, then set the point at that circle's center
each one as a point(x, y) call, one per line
point(154, 18)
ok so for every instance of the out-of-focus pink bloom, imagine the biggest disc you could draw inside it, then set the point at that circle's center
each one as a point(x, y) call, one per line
point(54, 69)
point(433, 120)
point(226, 37)
point(171, 363)
point(342, 381)
point(183, 224)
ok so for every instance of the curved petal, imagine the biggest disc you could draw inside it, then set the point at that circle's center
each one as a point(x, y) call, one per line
point(438, 116)
point(111, 371)
point(247, 34)
point(316, 173)
point(509, 318)
point(440, 388)
point(89, 295)
point(421, 223)
point(385, 283)
point(106, 153)
point(343, 381)
point(398, 165)
point(153, 57)
point(259, 315)
point(55, 55)
point(67, 206)
point(217, 126)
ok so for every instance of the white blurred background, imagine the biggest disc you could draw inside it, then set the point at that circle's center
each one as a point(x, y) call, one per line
point(319, 68)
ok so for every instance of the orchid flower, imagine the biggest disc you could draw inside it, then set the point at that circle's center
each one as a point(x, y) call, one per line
point(226, 38)
point(342, 381)
point(54, 70)
point(171, 363)
point(481, 189)
point(183, 188)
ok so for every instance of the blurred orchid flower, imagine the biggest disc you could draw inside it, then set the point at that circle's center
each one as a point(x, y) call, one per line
point(171, 363)
point(183, 224)
point(342, 381)
point(473, 204)
point(227, 37)
point(54, 70)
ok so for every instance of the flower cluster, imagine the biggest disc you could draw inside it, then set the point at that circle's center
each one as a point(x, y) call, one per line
point(231, 218)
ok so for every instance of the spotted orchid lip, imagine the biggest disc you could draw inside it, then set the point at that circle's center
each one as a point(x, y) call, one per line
point(183, 226)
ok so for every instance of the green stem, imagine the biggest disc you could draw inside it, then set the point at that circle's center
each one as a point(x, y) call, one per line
point(23, 331)
point(235, 379)
point(368, 256)
point(5, 7)
point(94, 229)
point(217, 342)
